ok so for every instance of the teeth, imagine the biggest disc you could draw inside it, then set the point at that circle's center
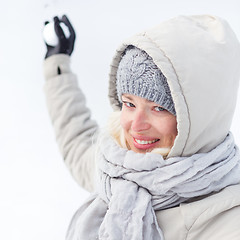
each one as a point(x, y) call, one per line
point(145, 142)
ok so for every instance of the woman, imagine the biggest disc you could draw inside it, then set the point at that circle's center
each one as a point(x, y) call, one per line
point(168, 167)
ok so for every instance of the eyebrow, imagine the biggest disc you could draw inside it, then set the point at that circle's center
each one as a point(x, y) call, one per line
point(131, 99)
point(127, 96)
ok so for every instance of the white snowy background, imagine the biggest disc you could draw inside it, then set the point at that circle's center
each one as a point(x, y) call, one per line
point(37, 194)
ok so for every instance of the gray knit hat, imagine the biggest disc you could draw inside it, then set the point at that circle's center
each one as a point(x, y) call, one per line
point(138, 75)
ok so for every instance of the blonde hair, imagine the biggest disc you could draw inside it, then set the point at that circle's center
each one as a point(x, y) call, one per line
point(116, 131)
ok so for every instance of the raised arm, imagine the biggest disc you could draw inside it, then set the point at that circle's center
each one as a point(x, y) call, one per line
point(75, 130)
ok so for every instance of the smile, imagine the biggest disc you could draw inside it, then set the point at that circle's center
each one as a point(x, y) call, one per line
point(142, 142)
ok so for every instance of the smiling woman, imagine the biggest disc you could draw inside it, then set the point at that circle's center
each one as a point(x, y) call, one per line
point(147, 126)
point(168, 155)
point(148, 114)
point(148, 117)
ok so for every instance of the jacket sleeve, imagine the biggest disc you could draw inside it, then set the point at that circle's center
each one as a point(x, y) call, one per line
point(75, 130)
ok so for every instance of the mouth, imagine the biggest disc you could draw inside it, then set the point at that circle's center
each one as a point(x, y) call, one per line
point(145, 144)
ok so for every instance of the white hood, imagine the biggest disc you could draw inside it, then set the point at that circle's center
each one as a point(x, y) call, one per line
point(200, 57)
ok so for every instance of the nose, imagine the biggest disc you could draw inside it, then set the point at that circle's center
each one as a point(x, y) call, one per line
point(140, 121)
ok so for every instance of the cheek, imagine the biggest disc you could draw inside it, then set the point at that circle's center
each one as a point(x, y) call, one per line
point(168, 127)
point(124, 121)
point(171, 127)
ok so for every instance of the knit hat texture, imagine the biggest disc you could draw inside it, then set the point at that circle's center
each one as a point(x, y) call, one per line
point(138, 75)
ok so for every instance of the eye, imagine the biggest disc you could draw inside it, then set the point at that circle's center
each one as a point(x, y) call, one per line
point(159, 109)
point(128, 104)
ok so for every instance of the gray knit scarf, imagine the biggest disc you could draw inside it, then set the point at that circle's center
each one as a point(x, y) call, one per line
point(134, 186)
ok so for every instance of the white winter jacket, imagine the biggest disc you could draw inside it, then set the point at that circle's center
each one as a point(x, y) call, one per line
point(201, 61)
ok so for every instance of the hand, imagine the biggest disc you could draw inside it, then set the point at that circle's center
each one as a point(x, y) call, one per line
point(65, 45)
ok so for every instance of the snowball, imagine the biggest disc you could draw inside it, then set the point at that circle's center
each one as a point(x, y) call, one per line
point(50, 36)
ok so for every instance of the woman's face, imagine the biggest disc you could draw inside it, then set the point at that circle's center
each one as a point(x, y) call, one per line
point(146, 125)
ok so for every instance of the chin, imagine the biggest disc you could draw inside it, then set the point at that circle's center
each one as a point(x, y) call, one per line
point(164, 151)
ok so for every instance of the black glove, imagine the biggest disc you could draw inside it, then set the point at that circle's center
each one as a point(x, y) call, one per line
point(65, 45)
